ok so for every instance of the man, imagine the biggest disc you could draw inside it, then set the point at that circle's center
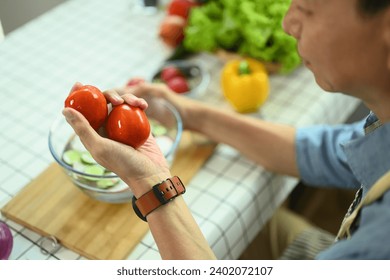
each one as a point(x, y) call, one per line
point(346, 44)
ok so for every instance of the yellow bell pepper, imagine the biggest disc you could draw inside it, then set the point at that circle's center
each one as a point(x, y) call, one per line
point(245, 84)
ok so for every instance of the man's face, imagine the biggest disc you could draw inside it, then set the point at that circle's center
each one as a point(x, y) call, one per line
point(342, 48)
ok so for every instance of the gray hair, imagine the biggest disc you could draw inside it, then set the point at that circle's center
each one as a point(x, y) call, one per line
point(372, 7)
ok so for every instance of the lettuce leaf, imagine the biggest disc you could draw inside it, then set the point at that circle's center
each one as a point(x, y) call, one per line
point(249, 27)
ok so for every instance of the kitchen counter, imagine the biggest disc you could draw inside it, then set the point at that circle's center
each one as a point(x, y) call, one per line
point(104, 43)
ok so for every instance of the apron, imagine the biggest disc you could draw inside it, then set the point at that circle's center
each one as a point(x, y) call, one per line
point(376, 191)
point(314, 240)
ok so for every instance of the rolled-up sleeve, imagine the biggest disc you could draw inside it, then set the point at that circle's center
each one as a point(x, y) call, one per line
point(320, 157)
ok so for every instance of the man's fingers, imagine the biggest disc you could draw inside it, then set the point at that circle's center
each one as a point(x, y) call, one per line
point(76, 86)
point(135, 101)
point(119, 96)
point(113, 96)
point(80, 125)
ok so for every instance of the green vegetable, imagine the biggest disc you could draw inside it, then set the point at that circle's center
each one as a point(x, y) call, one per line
point(87, 158)
point(203, 24)
point(106, 183)
point(96, 170)
point(249, 27)
point(158, 130)
point(82, 161)
point(228, 36)
point(71, 157)
point(243, 68)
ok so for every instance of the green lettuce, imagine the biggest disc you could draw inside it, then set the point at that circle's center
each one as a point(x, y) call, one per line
point(249, 27)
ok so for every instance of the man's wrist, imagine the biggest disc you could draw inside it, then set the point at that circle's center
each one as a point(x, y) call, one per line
point(141, 186)
point(161, 194)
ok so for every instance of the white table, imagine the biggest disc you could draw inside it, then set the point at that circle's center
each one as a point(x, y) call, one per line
point(104, 43)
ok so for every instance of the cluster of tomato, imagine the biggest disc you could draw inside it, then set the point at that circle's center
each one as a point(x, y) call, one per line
point(172, 27)
point(126, 124)
point(170, 75)
point(174, 79)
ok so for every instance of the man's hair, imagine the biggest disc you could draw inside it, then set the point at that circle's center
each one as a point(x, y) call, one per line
point(371, 7)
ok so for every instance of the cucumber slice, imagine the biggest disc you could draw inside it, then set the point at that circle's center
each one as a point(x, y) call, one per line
point(96, 170)
point(82, 161)
point(158, 130)
point(86, 157)
point(79, 166)
point(106, 183)
point(71, 157)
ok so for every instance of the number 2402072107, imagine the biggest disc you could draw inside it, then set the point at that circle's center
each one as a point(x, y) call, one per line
point(241, 270)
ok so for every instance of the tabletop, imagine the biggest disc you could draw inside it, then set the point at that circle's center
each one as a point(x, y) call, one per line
point(104, 43)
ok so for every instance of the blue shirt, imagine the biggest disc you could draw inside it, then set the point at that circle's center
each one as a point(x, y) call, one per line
point(351, 156)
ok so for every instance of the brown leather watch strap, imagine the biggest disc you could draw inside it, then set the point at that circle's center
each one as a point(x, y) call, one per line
point(159, 195)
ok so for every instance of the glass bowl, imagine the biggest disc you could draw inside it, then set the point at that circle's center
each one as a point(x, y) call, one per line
point(94, 180)
point(198, 78)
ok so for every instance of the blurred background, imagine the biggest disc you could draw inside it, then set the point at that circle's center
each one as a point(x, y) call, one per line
point(15, 13)
point(304, 200)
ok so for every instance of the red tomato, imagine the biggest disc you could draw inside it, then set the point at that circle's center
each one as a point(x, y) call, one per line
point(172, 30)
point(178, 84)
point(181, 7)
point(128, 125)
point(135, 81)
point(170, 72)
point(90, 102)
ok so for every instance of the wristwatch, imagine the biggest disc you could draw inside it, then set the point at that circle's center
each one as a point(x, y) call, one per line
point(159, 195)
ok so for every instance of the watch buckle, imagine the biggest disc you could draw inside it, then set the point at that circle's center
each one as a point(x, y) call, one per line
point(160, 194)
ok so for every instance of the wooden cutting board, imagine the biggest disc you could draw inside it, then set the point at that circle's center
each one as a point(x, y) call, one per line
point(52, 206)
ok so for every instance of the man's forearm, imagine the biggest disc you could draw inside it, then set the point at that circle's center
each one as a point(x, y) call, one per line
point(176, 233)
point(268, 144)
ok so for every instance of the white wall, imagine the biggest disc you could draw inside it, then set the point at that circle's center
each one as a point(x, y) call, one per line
point(1, 32)
point(15, 13)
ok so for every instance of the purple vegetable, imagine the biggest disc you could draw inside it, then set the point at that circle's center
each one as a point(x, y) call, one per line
point(6, 241)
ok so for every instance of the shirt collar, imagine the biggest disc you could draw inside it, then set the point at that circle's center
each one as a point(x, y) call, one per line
point(369, 156)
